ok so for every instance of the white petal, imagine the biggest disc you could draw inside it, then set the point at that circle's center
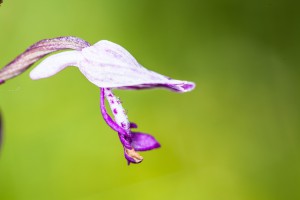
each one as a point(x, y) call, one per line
point(106, 64)
point(54, 64)
point(110, 53)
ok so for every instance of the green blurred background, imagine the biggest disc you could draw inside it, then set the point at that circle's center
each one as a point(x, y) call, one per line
point(236, 136)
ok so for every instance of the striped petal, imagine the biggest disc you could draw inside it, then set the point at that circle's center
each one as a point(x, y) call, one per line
point(109, 65)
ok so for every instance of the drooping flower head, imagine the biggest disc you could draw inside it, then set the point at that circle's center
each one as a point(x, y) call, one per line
point(109, 66)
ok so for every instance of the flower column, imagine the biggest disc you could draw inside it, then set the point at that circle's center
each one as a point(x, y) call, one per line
point(123, 122)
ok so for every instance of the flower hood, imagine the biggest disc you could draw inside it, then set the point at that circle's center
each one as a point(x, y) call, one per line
point(108, 65)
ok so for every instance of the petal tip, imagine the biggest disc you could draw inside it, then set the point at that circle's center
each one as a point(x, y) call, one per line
point(188, 86)
point(144, 142)
point(180, 86)
point(34, 75)
point(54, 64)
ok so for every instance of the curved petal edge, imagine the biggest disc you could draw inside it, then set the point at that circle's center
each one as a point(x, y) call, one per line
point(54, 64)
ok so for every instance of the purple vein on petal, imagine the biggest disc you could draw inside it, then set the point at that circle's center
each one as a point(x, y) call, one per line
point(184, 87)
point(38, 51)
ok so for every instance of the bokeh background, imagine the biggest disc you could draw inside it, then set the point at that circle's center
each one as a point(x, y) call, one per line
point(236, 136)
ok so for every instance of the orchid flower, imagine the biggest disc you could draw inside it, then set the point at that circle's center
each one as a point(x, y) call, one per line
point(109, 66)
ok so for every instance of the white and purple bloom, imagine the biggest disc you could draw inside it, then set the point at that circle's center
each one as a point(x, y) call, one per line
point(109, 66)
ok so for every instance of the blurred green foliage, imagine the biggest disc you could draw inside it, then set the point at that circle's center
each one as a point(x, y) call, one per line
point(235, 137)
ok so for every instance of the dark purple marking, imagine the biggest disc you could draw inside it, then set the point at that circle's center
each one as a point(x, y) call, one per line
point(112, 101)
point(123, 124)
point(188, 86)
point(115, 111)
point(2, 81)
point(133, 125)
